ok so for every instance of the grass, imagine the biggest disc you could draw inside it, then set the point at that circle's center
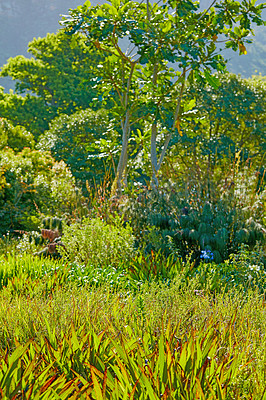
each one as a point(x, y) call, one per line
point(66, 334)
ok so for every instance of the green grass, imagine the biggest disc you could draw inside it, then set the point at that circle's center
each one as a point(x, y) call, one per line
point(75, 332)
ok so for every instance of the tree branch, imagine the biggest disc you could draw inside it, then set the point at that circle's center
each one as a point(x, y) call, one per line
point(177, 111)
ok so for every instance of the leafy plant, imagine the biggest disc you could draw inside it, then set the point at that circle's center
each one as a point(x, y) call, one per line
point(191, 226)
point(149, 81)
point(80, 363)
point(59, 79)
point(86, 141)
point(15, 137)
point(34, 185)
point(95, 243)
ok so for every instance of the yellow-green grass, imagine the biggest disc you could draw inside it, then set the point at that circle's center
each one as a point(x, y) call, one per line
point(174, 340)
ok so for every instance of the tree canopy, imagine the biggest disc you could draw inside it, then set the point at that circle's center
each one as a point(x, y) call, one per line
point(168, 45)
point(59, 78)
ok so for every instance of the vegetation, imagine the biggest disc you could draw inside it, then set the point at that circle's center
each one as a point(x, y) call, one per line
point(132, 209)
point(87, 141)
point(33, 184)
point(58, 79)
point(76, 337)
point(166, 50)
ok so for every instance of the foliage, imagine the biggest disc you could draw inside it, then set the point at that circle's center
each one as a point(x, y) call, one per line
point(189, 223)
point(217, 229)
point(27, 111)
point(32, 185)
point(15, 137)
point(85, 141)
point(59, 79)
point(21, 270)
point(223, 123)
point(245, 269)
point(253, 63)
point(100, 340)
point(148, 87)
point(95, 243)
point(81, 364)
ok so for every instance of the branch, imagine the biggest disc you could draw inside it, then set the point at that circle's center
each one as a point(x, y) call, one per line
point(177, 81)
point(177, 111)
point(148, 10)
point(117, 90)
point(129, 83)
point(121, 53)
point(208, 9)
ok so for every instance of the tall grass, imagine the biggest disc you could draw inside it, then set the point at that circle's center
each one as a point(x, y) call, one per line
point(69, 332)
point(157, 340)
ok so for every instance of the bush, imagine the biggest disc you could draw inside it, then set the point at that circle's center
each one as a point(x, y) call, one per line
point(191, 226)
point(33, 184)
point(96, 243)
point(16, 137)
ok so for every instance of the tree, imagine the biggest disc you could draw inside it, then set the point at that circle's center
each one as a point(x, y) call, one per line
point(59, 79)
point(169, 45)
point(15, 137)
point(85, 141)
point(225, 124)
point(236, 111)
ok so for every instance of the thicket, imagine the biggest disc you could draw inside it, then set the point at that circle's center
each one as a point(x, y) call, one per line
point(86, 141)
point(33, 184)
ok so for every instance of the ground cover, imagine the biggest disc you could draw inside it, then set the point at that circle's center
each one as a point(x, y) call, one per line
point(66, 337)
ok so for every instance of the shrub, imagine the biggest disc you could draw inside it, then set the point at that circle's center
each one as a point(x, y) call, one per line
point(169, 221)
point(16, 137)
point(85, 141)
point(33, 184)
point(95, 242)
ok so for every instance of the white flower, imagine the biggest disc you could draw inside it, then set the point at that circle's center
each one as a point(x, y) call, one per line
point(254, 267)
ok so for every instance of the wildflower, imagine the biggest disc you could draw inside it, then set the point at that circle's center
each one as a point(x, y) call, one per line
point(254, 267)
point(206, 255)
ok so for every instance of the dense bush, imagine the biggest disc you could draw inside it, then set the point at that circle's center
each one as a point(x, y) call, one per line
point(16, 137)
point(94, 242)
point(224, 124)
point(33, 184)
point(190, 225)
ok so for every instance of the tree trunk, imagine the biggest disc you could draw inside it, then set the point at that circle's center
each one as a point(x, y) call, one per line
point(154, 163)
point(118, 182)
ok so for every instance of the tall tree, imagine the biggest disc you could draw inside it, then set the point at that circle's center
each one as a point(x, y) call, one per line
point(58, 79)
point(169, 45)
point(225, 129)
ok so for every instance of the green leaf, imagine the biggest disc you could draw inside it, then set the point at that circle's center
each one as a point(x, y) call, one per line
point(188, 106)
point(167, 27)
point(87, 5)
point(212, 80)
point(112, 10)
point(96, 385)
point(116, 3)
